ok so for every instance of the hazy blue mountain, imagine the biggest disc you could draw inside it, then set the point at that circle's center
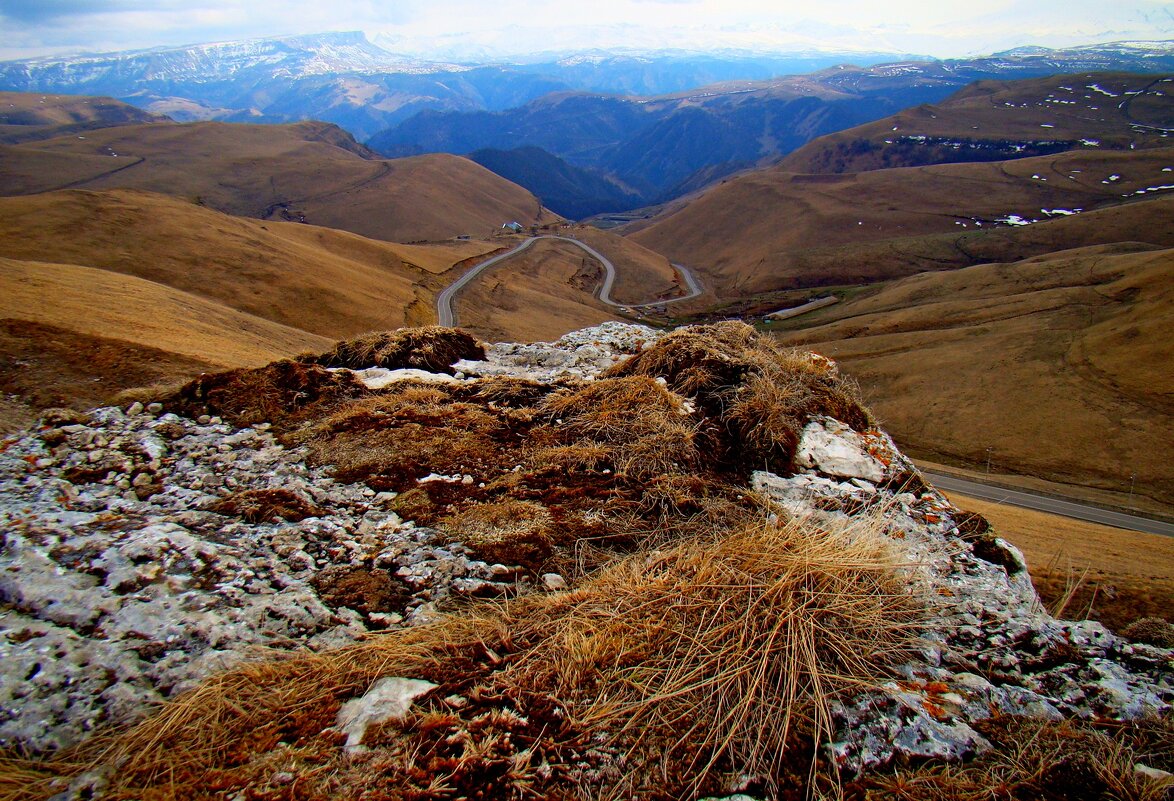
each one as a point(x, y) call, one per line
point(665, 145)
point(345, 79)
point(571, 191)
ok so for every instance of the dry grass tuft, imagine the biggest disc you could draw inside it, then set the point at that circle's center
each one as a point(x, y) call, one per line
point(1045, 760)
point(762, 394)
point(646, 430)
point(281, 393)
point(719, 654)
point(264, 505)
point(433, 348)
point(1151, 631)
point(519, 393)
point(508, 532)
point(711, 656)
point(393, 439)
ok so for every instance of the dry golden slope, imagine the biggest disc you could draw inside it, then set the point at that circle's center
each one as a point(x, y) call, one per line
point(103, 291)
point(322, 281)
point(30, 115)
point(1059, 364)
point(95, 302)
point(999, 114)
point(770, 230)
point(308, 171)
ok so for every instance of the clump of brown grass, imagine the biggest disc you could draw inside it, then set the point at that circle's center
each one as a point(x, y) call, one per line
point(646, 430)
point(1151, 631)
point(433, 348)
point(716, 654)
point(710, 656)
point(509, 532)
point(264, 505)
point(280, 393)
point(762, 394)
point(1045, 760)
point(519, 393)
point(393, 439)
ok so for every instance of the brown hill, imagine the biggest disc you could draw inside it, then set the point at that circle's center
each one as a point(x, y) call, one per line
point(771, 229)
point(309, 172)
point(326, 282)
point(1058, 364)
point(26, 116)
point(102, 291)
point(996, 120)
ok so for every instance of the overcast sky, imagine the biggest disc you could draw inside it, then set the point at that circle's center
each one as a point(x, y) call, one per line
point(450, 28)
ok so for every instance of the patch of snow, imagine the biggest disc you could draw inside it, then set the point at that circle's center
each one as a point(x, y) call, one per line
point(1097, 88)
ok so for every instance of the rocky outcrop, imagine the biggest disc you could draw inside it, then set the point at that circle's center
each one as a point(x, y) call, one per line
point(143, 550)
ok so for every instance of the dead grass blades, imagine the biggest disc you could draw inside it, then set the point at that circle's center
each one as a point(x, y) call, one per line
point(661, 676)
point(762, 394)
point(433, 348)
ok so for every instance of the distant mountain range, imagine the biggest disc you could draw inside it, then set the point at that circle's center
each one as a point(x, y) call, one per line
point(619, 130)
point(345, 79)
point(658, 148)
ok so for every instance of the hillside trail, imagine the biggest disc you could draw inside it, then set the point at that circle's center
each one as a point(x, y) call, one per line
point(446, 313)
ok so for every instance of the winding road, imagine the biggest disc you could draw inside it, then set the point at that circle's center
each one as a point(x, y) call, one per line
point(1043, 503)
point(446, 314)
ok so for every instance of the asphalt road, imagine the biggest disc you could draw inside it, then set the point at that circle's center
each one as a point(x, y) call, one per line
point(1042, 503)
point(446, 314)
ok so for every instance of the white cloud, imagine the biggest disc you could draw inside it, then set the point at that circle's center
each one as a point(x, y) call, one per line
point(933, 28)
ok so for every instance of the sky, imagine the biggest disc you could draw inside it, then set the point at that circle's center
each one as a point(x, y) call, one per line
point(450, 29)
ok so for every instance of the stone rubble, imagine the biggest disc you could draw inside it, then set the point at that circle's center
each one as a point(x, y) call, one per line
point(989, 646)
point(123, 584)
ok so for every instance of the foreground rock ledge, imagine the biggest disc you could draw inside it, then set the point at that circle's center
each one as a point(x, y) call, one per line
point(126, 578)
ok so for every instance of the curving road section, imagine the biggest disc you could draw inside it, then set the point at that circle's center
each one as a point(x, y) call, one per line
point(446, 314)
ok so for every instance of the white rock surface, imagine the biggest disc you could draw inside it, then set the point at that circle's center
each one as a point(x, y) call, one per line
point(388, 699)
point(828, 446)
point(381, 377)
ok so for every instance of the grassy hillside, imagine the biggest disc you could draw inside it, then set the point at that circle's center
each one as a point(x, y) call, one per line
point(25, 116)
point(772, 229)
point(72, 335)
point(308, 172)
point(326, 282)
point(996, 120)
point(173, 288)
point(1058, 364)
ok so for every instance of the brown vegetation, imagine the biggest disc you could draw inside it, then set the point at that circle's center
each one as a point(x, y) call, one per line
point(618, 462)
point(307, 172)
point(43, 366)
point(432, 348)
point(325, 282)
point(994, 120)
point(1054, 367)
point(782, 231)
point(266, 505)
point(661, 677)
point(25, 116)
point(280, 393)
point(762, 394)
